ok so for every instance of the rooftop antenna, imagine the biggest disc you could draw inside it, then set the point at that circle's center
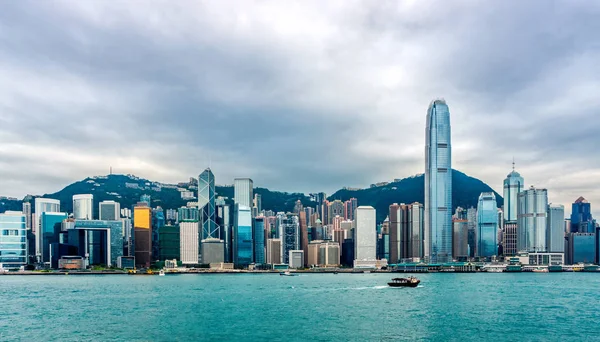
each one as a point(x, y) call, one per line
point(513, 163)
point(110, 170)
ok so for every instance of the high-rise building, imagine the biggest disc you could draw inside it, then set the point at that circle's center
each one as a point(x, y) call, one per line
point(158, 221)
point(259, 240)
point(472, 224)
point(406, 232)
point(206, 204)
point(289, 233)
point(487, 225)
point(242, 236)
point(170, 243)
point(460, 239)
point(212, 251)
point(509, 241)
point(513, 185)
point(329, 254)
point(532, 220)
point(27, 214)
point(99, 241)
point(13, 240)
point(109, 210)
point(243, 192)
point(273, 251)
point(188, 242)
point(581, 248)
point(581, 217)
point(146, 199)
point(324, 212)
point(225, 223)
point(336, 208)
point(349, 208)
point(395, 217)
point(298, 207)
point(142, 228)
point(556, 228)
point(365, 239)
point(188, 214)
point(438, 183)
point(257, 202)
point(42, 205)
point(50, 227)
point(83, 207)
point(296, 258)
point(303, 235)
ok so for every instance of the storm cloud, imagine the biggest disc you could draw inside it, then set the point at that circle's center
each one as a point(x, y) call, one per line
point(300, 96)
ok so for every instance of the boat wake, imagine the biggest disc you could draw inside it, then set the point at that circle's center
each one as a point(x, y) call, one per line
point(379, 287)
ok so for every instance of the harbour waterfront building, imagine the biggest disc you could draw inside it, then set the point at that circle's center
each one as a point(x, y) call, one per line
point(532, 220)
point(513, 185)
point(406, 236)
point(296, 258)
point(99, 241)
point(273, 251)
point(329, 254)
point(13, 240)
point(242, 236)
point(188, 214)
point(243, 191)
point(27, 213)
point(109, 210)
point(581, 217)
point(259, 240)
point(42, 205)
point(213, 251)
point(365, 240)
point(472, 224)
point(487, 224)
point(206, 205)
point(556, 228)
point(581, 248)
point(50, 228)
point(170, 242)
point(289, 233)
point(83, 207)
point(460, 239)
point(142, 226)
point(188, 243)
point(224, 216)
point(438, 183)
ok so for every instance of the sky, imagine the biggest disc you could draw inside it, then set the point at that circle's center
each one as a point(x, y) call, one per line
point(301, 96)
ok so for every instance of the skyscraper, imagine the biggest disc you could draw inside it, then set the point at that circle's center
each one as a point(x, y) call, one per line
point(303, 234)
point(460, 238)
point(487, 225)
point(336, 208)
point(259, 240)
point(13, 240)
point(298, 207)
point(365, 241)
point(50, 227)
point(472, 231)
point(556, 228)
point(42, 205)
point(242, 236)
point(109, 210)
point(142, 225)
point(243, 192)
point(532, 220)
point(581, 217)
point(206, 204)
point(438, 183)
point(513, 185)
point(188, 242)
point(258, 202)
point(225, 222)
point(289, 233)
point(83, 207)
point(27, 214)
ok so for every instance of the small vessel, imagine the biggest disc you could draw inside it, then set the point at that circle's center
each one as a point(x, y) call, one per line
point(161, 273)
point(404, 282)
point(287, 273)
point(540, 270)
point(494, 270)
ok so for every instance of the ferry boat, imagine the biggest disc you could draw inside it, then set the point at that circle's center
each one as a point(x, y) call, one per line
point(404, 282)
point(287, 274)
point(161, 273)
point(540, 270)
point(494, 270)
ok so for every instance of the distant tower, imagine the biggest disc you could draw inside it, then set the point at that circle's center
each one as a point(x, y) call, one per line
point(206, 204)
point(487, 225)
point(532, 220)
point(83, 207)
point(243, 191)
point(438, 183)
point(513, 185)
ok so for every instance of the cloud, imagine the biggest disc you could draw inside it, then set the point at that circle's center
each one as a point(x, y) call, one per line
point(300, 96)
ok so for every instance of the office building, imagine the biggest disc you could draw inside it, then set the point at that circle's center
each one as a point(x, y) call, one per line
point(158, 221)
point(296, 258)
point(302, 221)
point(142, 229)
point(298, 207)
point(83, 207)
point(188, 214)
point(406, 231)
point(206, 205)
point(109, 210)
point(365, 240)
point(243, 249)
point(472, 224)
point(349, 208)
point(556, 228)
point(581, 248)
point(42, 205)
point(13, 240)
point(171, 216)
point(487, 225)
point(259, 240)
point(146, 199)
point(224, 218)
point(509, 242)
point(289, 233)
point(532, 220)
point(460, 239)
point(170, 243)
point(50, 228)
point(581, 217)
point(188, 242)
point(335, 208)
point(27, 214)
point(329, 254)
point(213, 251)
point(99, 242)
point(257, 202)
point(273, 251)
point(513, 185)
point(243, 192)
point(438, 183)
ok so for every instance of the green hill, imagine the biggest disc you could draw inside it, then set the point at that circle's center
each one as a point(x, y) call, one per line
point(127, 189)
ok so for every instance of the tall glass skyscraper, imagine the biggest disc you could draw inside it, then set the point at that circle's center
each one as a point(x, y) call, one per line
point(555, 239)
point(83, 207)
point(243, 191)
point(487, 225)
point(13, 240)
point(259, 240)
point(438, 183)
point(513, 185)
point(581, 217)
point(242, 236)
point(206, 203)
point(532, 220)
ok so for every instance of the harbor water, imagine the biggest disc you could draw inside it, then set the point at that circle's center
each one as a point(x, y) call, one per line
point(316, 307)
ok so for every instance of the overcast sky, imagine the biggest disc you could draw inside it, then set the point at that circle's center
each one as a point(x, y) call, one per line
point(300, 96)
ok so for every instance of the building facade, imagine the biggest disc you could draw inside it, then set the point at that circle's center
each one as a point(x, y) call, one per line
point(460, 239)
point(206, 205)
point(83, 207)
point(142, 229)
point(259, 240)
point(365, 239)
point(188, 243)
point(556, 228)
point(170, 243)
point(243, 244)
point(532, 220)
point(513, 185)
point(581, 217)
point(109, 210)
point(487, 225)
point(13, 240)
point(243, 189)
point(438, 183)
point(273, 251)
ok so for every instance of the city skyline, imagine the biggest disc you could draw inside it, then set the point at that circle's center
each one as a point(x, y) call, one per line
point(289, 88)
